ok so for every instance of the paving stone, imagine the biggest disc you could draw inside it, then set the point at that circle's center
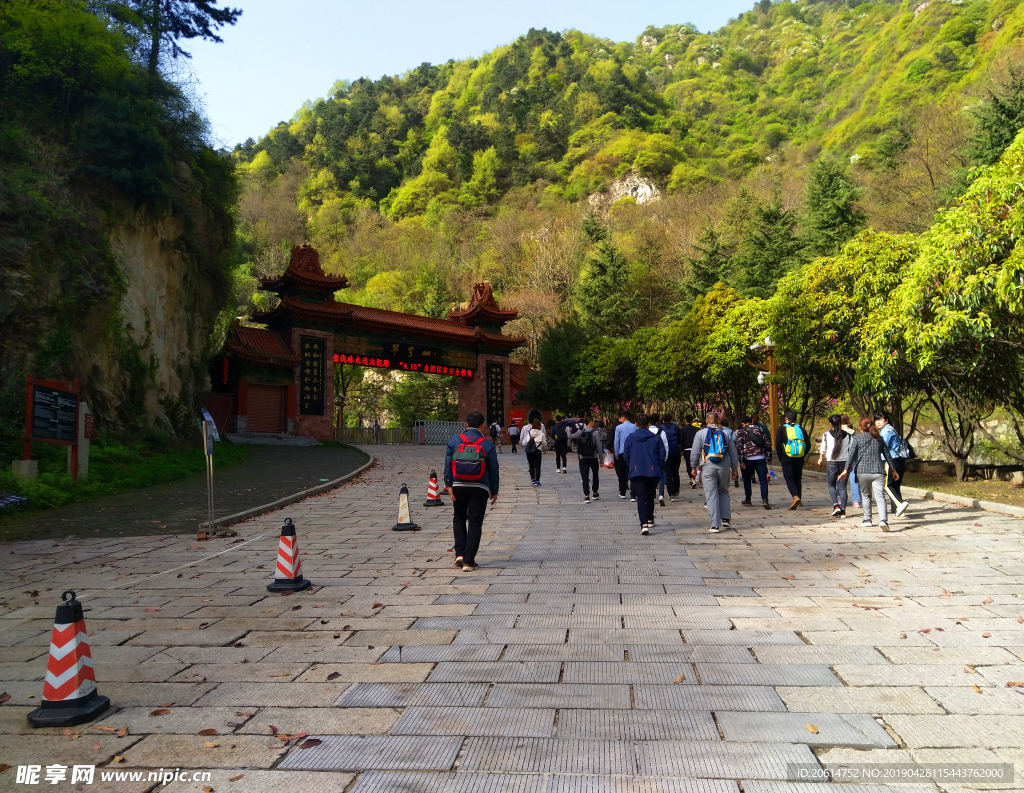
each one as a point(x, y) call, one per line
point(637, 725)
point(322, 721)
point(512, 722)
point(713, 698)
point(766, 675)
point(267, 781)
point(958, 730)
point(856, 730)
point(864, 699)
point(400, 695)
point(461, 782)
point(283, 694)
point(549, 755)
point(499, 672)
point(720, 760)
point(359, 752)
point(171, 751)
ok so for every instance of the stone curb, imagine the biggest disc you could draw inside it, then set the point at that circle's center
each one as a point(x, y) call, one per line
point(960, 501)
point(238, 517)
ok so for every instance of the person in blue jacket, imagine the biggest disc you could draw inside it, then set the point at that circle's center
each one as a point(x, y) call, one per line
point(644, 454)
point(469, 498)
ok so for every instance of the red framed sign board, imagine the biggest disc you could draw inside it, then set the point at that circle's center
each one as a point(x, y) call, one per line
point(51, 416)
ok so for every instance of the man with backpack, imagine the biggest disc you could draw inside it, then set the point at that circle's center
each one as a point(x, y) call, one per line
point(471, 477)
point(791, 441)
point(714, 456)
point(560, 435)
point(644, 454)
point(588, 449)
point(755, 451)
point(686, 435)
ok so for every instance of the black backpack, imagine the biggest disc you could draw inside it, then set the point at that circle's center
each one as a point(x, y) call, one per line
point(585, 445)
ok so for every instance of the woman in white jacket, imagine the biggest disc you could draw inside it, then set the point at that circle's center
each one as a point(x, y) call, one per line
point(835, 447)
point(534, 432)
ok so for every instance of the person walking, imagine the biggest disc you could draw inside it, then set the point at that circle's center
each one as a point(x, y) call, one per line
point(791, 441)
point(471, 477)
point(686, 435)
point(560, 435)
point(513, 436)
point(835, 448)
point(644, 453)
point(714, 456)
point(624, 430)
point(865, 455)
point(589, 451)
point(496, 436)
point(755, 452)
point(896, 462)
point(671, 477)
point(535, 441)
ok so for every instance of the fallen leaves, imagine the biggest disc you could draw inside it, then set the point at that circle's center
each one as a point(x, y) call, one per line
point(812, 729)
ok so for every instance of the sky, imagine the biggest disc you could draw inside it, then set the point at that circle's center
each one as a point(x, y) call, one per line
point(283, 52)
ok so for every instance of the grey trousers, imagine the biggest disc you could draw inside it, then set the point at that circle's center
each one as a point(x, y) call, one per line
point(716, 492)
point(872, 486)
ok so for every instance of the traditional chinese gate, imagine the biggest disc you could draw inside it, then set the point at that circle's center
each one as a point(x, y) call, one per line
point(308, 330)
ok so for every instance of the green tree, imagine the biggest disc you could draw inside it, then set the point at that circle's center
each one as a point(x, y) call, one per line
point(831, 214)
point(769, 250)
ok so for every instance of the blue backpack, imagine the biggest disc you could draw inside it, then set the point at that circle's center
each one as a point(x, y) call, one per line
point(714, 445)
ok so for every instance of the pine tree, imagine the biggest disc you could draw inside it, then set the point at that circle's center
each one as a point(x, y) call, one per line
point(768, 251)
point(831, 214)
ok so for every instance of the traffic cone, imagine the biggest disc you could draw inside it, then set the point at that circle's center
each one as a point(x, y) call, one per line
point(404, 521)
point(433, 499)
point(69, 690)
point(288, 575)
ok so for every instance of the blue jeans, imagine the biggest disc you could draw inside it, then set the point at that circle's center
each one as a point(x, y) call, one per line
point(759, 467)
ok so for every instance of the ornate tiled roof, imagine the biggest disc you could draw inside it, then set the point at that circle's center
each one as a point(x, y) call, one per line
point(484, 307)
point(387, 321)
point(260, 346)
point(305, 272)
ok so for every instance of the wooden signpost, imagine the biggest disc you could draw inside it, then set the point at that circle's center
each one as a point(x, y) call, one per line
point(51, 416)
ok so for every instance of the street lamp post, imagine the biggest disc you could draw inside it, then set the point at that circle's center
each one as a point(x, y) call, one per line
point(769, 368)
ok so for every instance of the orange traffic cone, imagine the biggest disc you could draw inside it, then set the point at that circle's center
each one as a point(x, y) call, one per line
point(433, 499)
point(288, 575)
point(404, 520)
point(69, 691)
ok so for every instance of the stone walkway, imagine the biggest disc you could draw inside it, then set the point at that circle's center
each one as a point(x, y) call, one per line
point(582, 656)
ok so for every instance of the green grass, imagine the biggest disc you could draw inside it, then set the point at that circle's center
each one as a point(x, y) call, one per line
point(116, 464)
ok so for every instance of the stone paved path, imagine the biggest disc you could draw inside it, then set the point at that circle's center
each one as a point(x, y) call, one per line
point(580, 657)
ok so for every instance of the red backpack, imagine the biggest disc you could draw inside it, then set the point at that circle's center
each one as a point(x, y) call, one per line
point(469, 460)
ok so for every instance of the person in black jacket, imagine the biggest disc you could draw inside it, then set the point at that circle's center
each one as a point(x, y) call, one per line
point(787, 441)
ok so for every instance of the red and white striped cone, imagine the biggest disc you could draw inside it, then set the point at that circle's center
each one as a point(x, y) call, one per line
point(288, 575)
point(69, 690)
point(433, 499)
point(404, 520)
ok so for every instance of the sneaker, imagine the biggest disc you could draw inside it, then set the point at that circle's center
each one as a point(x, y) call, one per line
point(622, 496)
point(661, 501)
point(902, 508)
point(766, 505)
point(795, 502)
point(586, 499)
point(866, 524)
point(458, 561)
point(836, 511)
point(883, 526)
point(714, 530)
point(726, 524)
point(645, 528)
point(746, 504)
